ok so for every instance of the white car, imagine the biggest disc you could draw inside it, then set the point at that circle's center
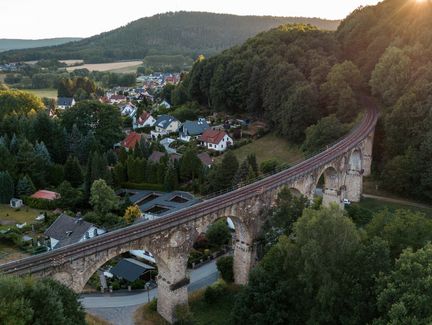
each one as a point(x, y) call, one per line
point(346, 202)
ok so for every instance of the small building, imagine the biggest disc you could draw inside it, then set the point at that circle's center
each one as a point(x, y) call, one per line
point(65, 102)
point(165, 124)
point(144, 120)
point(131, 140)
point(205, 158)
point(165, 104)
point(129, 110)
point(130, 269)
point(67, 230)
point(217, 140)
point(46, 195)
point(117, 99)
point(192, 129)
point(156, 156)
point(16, 203)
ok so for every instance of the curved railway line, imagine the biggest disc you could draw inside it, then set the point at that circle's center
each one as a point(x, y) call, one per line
point(124, 235)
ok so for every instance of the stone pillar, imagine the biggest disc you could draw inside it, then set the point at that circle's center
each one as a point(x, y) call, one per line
point(172, 288)
point(354, 186)
point(244, 261)
point(331, 196)
point(367, 154)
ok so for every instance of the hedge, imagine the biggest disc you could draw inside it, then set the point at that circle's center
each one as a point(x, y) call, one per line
point(40, 203)
point(143, 186)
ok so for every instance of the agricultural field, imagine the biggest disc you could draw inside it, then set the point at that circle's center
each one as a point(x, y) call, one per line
point(377, 204)
point(119, 67)
point(49, 93)
point(270, 147)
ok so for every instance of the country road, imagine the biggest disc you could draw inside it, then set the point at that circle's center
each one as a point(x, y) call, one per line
point(119, 308)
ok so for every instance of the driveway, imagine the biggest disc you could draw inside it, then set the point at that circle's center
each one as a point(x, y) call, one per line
point(119, 307)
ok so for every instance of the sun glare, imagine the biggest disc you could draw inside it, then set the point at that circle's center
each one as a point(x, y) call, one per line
point(421, 1)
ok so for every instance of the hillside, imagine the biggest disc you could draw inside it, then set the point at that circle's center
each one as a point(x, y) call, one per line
point(306, 74)
point(7, 44)
point(186, 33)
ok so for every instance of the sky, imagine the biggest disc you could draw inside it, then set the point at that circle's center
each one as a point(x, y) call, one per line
point(35, 19)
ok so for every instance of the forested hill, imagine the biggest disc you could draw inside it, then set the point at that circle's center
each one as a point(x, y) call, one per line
point(186, 33)
point(294, 76)
point(18, 44)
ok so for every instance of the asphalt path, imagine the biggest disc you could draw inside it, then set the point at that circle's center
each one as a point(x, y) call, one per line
point(118, 308)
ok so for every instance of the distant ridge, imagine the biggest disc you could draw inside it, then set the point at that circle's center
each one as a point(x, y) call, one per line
point(7, 44)
point(184, 33)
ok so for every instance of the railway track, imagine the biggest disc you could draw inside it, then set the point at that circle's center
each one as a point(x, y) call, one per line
point(122, 236)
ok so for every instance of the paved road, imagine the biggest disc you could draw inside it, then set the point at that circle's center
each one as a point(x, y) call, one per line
point(119, 308)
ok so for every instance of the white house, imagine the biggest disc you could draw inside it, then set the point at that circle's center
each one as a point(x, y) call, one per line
point(146, 119)
point(165, 124)
point(67, 230)
point(217, 140)
point(65, 102)
point(129, 110)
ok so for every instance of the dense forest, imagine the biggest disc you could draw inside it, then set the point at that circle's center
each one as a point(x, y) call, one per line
point(7, 44)
point(186, 33)
point(296, 76)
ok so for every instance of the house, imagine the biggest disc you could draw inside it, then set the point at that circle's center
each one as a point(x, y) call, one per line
point(165, 104)
point(67, 230)
point(117, 99)
point(217, 140)
point(46, 195)
point(65, 102)
point(131, 140)
point(156, 156)
point(205, 158)
point(129, 110)
point(130, 269)
point(145, 119)
point(165, 124)
point(192, 129)
point(16, 203)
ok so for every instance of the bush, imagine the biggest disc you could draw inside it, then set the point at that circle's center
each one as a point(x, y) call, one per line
point(225, 267)
point(143, 186)
point(269, 166)
point(214, 292)
point(153, 304)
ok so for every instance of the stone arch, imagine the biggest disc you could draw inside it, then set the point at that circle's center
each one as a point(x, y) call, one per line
point(295, 192)
point(83, 269)
point(356, 161)
point(331, 185)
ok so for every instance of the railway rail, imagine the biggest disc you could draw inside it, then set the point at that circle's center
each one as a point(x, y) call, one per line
point(124, 235)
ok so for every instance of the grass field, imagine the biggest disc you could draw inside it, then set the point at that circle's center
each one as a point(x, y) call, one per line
point(120, 67)
point(49, 93)
point(25, 214)
point(270, 147)
point(203, 313)
point(9, 254)
point(376, 205)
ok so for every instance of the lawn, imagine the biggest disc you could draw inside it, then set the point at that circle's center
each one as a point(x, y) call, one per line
point(12, 216)
point(9, 254)
point(376, 205)
point(270, 147)
point(49, 93)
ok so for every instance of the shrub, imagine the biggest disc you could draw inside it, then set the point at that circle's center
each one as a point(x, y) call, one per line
point(214, 292)
point(153, 304)
point(39, 203)
point(225, 267)
point(183, 315)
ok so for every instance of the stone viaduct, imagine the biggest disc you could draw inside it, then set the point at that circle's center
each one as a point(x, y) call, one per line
point(171, 238)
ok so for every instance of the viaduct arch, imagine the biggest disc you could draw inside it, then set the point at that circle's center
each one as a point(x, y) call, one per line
point(171, 238)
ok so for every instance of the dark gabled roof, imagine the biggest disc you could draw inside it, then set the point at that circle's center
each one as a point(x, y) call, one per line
point(130, 269)
point(194, 128)
point(205, 158)
point(163, 121)
point(157, 155)
point(67, 230)
point(64, 101)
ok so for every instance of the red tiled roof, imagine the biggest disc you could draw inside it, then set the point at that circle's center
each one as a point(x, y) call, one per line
point(46, 195)
point(131, 140)
point(212, 136)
